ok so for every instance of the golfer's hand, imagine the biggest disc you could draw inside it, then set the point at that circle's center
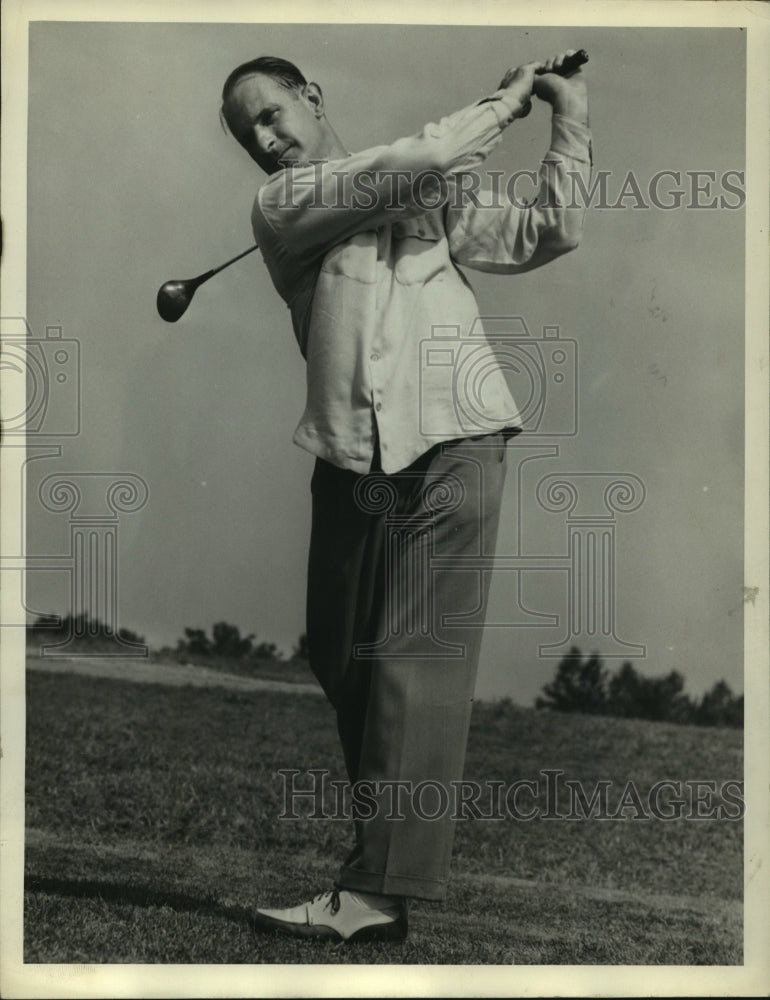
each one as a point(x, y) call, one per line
point(567, 95)
point(520, 82)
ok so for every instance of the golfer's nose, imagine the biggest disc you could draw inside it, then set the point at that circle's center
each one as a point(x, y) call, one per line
point(264, 138)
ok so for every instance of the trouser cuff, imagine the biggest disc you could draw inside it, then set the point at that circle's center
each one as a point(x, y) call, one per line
point(391, 885)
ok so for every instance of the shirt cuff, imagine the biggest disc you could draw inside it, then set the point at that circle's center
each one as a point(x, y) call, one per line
point(570, 138)
point(506, 106)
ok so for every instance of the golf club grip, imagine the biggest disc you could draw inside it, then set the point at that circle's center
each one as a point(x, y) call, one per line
point(570, 64)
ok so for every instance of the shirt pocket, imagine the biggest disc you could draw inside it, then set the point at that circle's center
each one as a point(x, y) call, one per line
point(356, 258)
point(420, 250)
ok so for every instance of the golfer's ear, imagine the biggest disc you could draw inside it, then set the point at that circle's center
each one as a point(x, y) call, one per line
point(315, 97)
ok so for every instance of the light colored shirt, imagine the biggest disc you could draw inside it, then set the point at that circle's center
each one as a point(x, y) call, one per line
point(388, 324)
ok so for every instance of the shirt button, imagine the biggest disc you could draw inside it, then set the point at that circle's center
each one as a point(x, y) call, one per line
point(378, 407)
point(374, 356)
point(420, 232)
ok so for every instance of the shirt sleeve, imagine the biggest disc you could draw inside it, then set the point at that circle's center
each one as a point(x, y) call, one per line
point(505, 236)
point(309, 209)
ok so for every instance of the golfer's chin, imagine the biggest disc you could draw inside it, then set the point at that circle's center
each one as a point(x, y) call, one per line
point(272, 164)
point(292, 157)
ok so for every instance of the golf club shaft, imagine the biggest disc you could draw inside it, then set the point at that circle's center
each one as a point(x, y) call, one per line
point(216, 270)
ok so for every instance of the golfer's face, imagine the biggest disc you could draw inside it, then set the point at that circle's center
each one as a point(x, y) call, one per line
point(276, 126)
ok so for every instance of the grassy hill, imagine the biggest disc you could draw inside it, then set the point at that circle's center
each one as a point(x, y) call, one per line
point(153, 831)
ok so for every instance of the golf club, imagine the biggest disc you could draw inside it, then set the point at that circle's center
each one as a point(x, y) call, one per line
point(175, 296)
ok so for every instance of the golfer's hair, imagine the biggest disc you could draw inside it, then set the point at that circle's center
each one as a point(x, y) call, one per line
point(282, 70)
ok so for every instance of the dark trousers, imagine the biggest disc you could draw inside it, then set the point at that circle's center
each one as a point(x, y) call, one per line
point(388, 586)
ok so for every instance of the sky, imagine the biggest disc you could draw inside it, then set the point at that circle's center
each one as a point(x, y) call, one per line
point(132, 181)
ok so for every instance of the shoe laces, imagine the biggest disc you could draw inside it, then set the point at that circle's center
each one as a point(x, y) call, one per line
point(333, 900)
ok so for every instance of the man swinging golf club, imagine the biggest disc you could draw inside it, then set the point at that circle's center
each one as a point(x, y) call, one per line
point(363, 248)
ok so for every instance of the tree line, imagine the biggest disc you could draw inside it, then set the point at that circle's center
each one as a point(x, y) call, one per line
point(579, 684)
point(224, 643)
point(227, 650)
point(227, 642)
point(82, 630)
point(585, 685)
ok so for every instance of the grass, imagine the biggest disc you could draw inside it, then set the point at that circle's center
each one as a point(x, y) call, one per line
point(293, 670)
point(153, 831)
